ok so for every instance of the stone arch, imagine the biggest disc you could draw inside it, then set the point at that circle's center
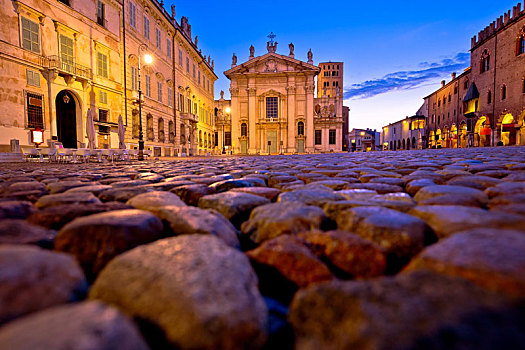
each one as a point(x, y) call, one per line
point(404, 144)
point(408, 143)
point(76, 121)
point(508, 130)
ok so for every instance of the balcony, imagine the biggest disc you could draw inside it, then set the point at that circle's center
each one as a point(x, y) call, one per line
point(190, 117)
point(69, 68)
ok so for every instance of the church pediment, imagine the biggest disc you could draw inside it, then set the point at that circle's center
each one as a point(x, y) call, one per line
point(272, 63)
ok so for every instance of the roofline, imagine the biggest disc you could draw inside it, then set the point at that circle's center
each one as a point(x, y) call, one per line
point(467, 71)
point(258, 58)
point(408, 117)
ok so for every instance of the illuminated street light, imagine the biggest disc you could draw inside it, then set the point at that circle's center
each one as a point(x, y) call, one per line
point(148, 59)
point(228, 110)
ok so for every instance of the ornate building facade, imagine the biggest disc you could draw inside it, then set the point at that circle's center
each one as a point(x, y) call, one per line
point(273, 109)
point(59, 58)
point(485, 105)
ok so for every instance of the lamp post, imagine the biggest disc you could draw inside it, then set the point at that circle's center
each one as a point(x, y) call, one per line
point(148, 59)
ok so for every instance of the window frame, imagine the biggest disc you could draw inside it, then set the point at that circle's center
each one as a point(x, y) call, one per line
point(102, 70)
point(272, 107)
point(146, 25)
point(318, 137)
point(39, 96)
point(158, 37)
point(159, 91)
point(132, 13)
point(332, 137)
point(38, 35)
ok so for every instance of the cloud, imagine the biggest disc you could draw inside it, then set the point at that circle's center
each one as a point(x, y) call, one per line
point(407, 80)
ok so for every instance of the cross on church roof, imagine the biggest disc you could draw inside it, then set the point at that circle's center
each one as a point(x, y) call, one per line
point(271, 37)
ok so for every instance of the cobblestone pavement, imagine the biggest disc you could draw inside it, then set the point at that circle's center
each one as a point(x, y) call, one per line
point(386, 250)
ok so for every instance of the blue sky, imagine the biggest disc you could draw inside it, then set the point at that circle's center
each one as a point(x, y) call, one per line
point(394, 54)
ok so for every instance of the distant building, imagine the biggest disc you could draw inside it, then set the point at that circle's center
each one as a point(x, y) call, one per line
point(405, 134)
point(485, 105)
point(364, 140)
point(346, 124)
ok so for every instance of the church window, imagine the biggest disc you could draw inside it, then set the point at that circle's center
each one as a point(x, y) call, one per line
point(485, 61)
point(318, 137)
point(272, 108)
point(331, 137)
point(300, 129)
point(244, 130)
point(520, 43)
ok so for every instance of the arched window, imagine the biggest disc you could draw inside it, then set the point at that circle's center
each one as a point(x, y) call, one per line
point(489, 97)
point(244, 130)
point(171, 131)
point(149, 127)
point(300, 129)
point(161, 130)
point(503, 92)
point(485, 61)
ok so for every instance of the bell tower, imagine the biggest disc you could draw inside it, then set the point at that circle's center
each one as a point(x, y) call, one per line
point(330, 79)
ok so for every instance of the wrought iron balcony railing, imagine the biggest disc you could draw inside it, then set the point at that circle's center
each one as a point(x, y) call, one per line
point(69, 67)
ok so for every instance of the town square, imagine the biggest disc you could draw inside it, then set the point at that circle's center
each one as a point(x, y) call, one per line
point(159, 191)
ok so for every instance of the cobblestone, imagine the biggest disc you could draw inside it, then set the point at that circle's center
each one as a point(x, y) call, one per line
point(375, 250)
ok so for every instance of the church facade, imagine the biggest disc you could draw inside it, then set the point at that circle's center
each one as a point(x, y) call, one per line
point(273, 108)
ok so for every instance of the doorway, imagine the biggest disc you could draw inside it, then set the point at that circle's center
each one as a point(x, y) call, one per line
point(244, 146)
point(300, 146)
point(66, 112)
point(272, 141)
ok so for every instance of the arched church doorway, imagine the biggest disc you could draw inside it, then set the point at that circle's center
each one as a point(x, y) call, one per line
point(508, 130)
point(66, 112)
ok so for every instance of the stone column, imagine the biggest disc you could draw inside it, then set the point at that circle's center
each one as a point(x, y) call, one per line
point(292, 147)
point(235, 117)
point(309, 115)
point(252, 117)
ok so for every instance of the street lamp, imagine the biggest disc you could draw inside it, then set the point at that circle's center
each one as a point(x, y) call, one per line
point(228, 111)
point(148, 59)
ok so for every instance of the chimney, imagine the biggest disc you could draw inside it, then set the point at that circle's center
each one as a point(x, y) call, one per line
point(453, 75)
point(443, 82)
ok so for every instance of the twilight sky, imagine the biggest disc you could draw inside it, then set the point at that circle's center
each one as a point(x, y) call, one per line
point(394, 54)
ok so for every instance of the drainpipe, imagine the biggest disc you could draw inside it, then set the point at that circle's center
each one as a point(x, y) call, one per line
point(125, 66)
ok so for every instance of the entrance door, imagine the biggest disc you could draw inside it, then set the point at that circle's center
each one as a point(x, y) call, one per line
point(66, 119)
point(300, 146)
point(271, 135)
point(244, 146)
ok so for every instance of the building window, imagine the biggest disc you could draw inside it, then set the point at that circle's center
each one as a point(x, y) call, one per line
point(168, 47)
point(449, 98)
point(300, 129)
point(101, 13)
point(159, 38)
point(503, 92)
point(159, 92)
point(489, 97)
point(331, 137)
point(272, 107)
point(523, 86)
point(465, 85)
point(194, 70)
point(170, 97)
point(103, 115)
point(149, 127)
point(65, 2)
point(35, 110)
point(136, 123)
point(66, 53)
point(180, 57)
point(146, 28)
point(134, 78)
point(187, 65)
point(148, 86)
point(244, 130)
point(199, 75)
point(102, 65)
point(485, 61)
point(171, 131)
point(132, 15)
point(30, 35)
point(103, 97)
point(161, 130)
point(33, 78)
point(318, 137)
point(227, 138)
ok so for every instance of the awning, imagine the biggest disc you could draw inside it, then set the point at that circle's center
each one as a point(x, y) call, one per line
point(472, 93)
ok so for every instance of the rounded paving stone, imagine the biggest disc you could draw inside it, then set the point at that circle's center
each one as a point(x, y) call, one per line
point(155, 199)
point(16, 209)
point(82, 326)
point(70, 198)
point(204, 293)
point(96, 239)
point(32, 279)
point(22, 232)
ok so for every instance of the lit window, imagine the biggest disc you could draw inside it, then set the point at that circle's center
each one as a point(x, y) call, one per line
point(272, 107)
point(30, 35)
